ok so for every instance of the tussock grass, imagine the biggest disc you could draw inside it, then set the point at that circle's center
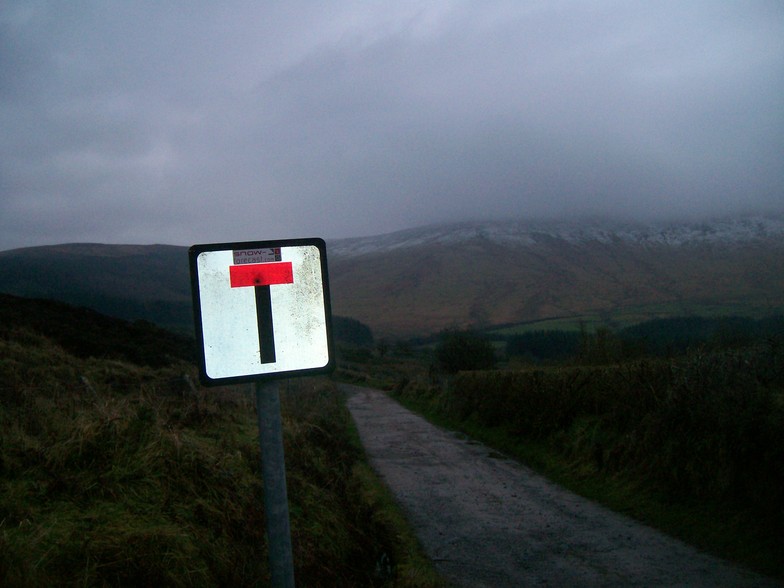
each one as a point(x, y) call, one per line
point(115, 473)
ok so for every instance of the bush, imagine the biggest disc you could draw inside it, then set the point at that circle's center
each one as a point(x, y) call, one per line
point(544, 345)
point(464, 351)
point(351, 332)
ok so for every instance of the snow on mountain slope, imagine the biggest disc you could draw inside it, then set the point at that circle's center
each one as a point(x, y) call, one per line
point(490, 273)
point(522, 234)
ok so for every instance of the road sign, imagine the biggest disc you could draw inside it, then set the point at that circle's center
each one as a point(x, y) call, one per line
point(261, 309)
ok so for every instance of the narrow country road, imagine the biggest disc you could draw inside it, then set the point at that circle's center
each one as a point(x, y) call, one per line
point(487, 521)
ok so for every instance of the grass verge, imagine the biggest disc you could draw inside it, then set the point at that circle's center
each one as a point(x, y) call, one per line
point(732, 533)
point(117, 473)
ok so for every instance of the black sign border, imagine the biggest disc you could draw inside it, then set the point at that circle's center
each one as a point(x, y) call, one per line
point(193, 253)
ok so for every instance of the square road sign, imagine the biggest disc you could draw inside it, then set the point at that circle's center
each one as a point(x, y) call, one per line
point(261, 310)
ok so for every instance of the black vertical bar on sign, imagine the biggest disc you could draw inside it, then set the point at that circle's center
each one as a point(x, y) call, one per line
point(264, 317)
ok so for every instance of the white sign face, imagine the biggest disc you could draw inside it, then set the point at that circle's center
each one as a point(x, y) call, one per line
point(262, 309)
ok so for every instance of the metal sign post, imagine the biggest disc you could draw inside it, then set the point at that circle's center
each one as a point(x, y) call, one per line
point(273, 471)
point(262, 311)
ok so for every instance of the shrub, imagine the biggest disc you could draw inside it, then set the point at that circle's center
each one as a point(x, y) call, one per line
point(464, 350)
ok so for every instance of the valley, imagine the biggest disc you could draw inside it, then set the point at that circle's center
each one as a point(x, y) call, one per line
point(418, 282)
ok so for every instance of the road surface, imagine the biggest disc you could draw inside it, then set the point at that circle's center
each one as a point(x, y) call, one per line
point(485, 520)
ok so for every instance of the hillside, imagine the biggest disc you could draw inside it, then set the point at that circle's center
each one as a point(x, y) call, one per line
point(496, 273)
point(85, 333)
point(148, 282)
point(117, 469)
point(419, 281)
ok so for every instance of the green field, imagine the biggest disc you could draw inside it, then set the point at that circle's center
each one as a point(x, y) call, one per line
point(628, 316)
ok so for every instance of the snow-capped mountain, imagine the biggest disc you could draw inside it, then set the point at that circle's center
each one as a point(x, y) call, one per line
point(522, 233)
point(479, 274)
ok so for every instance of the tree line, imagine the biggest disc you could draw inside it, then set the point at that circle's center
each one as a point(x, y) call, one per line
point(665, 337)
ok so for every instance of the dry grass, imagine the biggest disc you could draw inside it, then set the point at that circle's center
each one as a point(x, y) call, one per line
point(113, 473)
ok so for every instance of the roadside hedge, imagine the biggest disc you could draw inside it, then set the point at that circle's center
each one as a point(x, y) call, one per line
point(705, 427)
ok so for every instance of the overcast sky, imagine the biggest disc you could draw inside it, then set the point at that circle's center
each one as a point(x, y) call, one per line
point(196, 122)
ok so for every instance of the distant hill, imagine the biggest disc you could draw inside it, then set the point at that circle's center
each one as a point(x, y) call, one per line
point(422, 280)
point(83, 332)
point(148, 282)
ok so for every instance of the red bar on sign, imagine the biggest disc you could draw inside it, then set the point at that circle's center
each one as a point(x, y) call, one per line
point(261, 274)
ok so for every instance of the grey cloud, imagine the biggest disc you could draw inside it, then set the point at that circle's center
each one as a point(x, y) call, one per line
point(182, 123)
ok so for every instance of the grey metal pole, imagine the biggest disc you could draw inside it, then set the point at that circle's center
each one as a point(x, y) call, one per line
point(273, 469)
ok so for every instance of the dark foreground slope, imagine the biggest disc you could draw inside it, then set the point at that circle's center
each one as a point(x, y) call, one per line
point(116, 470)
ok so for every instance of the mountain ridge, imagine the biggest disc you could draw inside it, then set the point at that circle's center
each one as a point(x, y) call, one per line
point(422, 280)
point(481, 274)
point(526, 233)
